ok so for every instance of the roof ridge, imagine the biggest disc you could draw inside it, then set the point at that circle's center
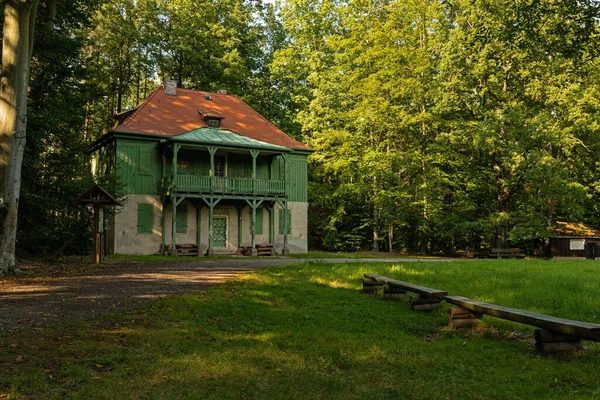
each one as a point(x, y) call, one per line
point(141, 105)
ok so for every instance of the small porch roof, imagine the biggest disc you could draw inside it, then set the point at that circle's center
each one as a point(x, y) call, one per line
point(224, 138)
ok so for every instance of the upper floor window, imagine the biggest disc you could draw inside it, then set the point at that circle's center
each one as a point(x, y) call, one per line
point(213, 122)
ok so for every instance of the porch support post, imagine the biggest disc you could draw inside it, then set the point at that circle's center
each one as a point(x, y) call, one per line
point(173, 251)
point(254, 204)
point(284, 210)
point(254, 154)
point(240, 210)
point(211, 202)
point(176, 202)
point(163, 228)
point(199, 207)
point(271, 209)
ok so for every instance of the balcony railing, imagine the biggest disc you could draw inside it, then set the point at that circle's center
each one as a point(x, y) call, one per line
point(227, 185)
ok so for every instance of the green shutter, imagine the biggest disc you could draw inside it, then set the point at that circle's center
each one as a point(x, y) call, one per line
point(181, 219)
point(285, 214)
point(145, 214)
point(259, 221)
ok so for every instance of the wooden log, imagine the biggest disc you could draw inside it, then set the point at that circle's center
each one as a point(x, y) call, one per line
point(547, 336)
point(372, 289)
point(463, 323)
point(394, 290)
point(578, 329)
point(395, 296)
point(461, 313)
point(418, 300)
point(371, 282)
point(561, 347)
point(438, 294)
point(426, 307)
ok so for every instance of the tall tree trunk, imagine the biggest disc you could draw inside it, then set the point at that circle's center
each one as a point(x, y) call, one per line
point(375, 229)
point(391, 236)
point(17, 45)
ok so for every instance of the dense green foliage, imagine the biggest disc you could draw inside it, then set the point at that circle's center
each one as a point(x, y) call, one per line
point(446, 124)
point(438, 125)
point(307, 331)
point(102, 57)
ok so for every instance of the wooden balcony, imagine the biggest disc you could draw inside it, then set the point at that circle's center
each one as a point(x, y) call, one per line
point(230, 186)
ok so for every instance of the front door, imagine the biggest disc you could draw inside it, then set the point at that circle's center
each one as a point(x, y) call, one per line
point(220, 232)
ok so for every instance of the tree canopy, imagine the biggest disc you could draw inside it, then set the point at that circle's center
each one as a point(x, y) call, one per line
point(437, 125)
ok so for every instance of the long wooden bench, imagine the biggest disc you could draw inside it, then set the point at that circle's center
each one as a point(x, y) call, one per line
point(506, 253)
point(557, 334)
point(427, 298)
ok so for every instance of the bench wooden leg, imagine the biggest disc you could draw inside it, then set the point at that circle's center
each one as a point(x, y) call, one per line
point(371, 286)
point(462, 318)
point(394, 293)
point(422, 303)
point(547, 341)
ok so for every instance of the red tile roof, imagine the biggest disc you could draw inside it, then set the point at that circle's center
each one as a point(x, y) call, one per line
point(161, 114)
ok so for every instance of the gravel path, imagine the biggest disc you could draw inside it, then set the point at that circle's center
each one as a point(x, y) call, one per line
point(33, 302)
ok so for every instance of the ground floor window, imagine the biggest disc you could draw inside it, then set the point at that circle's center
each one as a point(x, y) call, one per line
point(144, 218)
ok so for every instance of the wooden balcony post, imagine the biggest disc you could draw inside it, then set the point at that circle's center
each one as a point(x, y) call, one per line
point(254, 154)
point(212, 151)
point(176, 148)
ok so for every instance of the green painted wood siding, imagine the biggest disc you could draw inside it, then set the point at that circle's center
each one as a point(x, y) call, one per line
point(297, 179)
point(144, 218)
point(138, 166)
point(196, 162)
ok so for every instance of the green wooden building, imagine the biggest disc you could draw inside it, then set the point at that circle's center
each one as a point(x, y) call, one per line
point(203, 171)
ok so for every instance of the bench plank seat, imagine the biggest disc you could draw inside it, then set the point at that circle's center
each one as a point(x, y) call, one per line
point(409, 287)
point(583, 330)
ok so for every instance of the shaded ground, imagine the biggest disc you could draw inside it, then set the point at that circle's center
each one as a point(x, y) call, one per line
point(33, 302)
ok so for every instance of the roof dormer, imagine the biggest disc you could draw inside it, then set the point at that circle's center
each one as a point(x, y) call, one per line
point(212, 120)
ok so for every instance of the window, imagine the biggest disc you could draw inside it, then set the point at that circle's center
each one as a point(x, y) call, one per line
point(259, 221)
point(213, 122)
point(220, 165)
point(181, 219)
point(145, 214)
point(285, 216)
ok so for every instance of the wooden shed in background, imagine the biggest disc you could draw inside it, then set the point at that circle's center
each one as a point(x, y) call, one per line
point(575, 240)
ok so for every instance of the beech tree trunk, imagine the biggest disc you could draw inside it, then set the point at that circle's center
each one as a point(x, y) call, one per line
point(17, 44)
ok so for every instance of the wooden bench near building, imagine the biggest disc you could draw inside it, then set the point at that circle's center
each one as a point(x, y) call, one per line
point(505, 253)
point(557, 335)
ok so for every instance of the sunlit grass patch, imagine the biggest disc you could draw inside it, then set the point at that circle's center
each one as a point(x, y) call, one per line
point(307, 331)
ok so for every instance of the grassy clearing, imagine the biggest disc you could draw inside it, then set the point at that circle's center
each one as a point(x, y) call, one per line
point(306, 331)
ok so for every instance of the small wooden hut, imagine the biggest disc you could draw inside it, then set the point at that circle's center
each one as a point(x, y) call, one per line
point(572, 239)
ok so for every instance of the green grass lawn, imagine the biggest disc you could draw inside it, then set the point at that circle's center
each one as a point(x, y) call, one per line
point(306, 331)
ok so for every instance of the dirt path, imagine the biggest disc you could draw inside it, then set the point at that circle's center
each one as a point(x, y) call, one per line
point(33, 302)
